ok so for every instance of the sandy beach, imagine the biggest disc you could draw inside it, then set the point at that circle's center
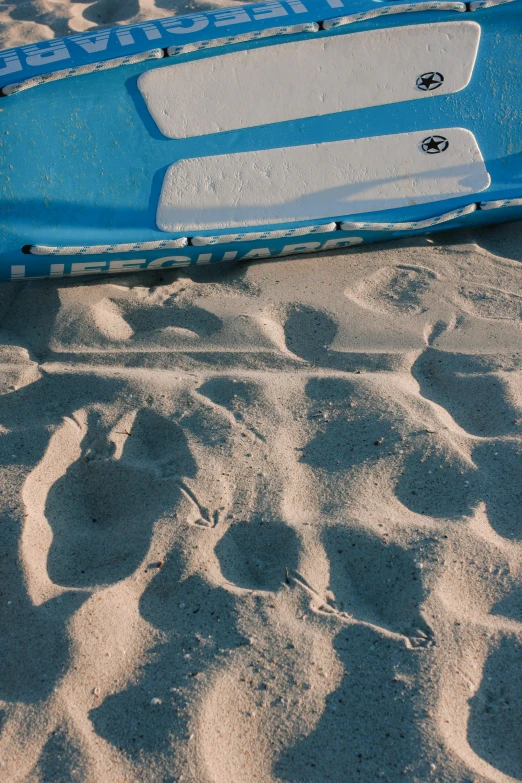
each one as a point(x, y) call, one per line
point(262, 523)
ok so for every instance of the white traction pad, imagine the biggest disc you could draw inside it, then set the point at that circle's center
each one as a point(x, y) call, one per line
point(319, 181)
point(312, 77)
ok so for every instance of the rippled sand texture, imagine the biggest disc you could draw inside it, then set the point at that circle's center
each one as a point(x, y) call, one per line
point(262, 523)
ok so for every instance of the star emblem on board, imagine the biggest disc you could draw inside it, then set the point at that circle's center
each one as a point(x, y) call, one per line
point(430, 81)
point(433, 145)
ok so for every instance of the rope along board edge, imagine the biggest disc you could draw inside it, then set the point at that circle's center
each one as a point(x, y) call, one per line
point(274, 32)
point(90, 250)
point(508, 202)
point(476, 5)
point(416, 225)
point(220, 239)
point(340, 21)
point(67, 73)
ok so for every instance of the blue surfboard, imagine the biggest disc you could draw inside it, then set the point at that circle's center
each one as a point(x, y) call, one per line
point(284, 127)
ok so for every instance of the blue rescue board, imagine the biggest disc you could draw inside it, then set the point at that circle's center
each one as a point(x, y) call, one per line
point(284, 127)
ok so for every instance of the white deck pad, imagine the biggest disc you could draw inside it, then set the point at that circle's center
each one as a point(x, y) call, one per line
point(310, 78)
point(320, 181)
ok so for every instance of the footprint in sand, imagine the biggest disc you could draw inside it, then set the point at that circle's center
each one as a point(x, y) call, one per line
point(36, 648)
point(370, 727)
point(376, 582)
point(496, 709)
point(257, 555)
point(486, 403)
point(174, 321)
point(198, 626)
point(480, 399)
point(120, 319)
point(107, 12)
point(241, 401)
point(500, 467)
point(60, 760)
point(490, 303)
point(309, 334)
point(398, 289)
point(440, 482)
point(17, 369)
point(103, 508)
point(437, 482)
point(351, 425)
point(254, 553)
point(233, 394)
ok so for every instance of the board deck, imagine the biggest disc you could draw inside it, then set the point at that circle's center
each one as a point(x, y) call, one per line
point(309, 78)
point(258, 131)
point(320, 180)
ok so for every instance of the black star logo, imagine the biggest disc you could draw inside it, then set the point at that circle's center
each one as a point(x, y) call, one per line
point(430, 81)
point(435, 144)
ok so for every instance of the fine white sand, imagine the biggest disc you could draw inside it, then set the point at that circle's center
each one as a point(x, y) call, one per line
point(262, 523)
